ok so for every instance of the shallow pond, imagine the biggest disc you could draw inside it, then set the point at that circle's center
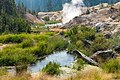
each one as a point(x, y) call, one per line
point(60, 57)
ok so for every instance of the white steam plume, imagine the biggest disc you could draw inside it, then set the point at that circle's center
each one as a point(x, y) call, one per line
point(71, 10)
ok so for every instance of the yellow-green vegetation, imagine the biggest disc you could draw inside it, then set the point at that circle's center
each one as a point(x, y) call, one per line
point(0, 44)
point(3, 71)
point(92, 74)
point(23, 76)
point(52, 68)
point(52, 22)
point(79, 64)
point(86, 40)
point(109, 70)
point(112, 66)
point(100, 43)
point(41, 24)
point(115, 40)
point(37, 28)
point(27, 48)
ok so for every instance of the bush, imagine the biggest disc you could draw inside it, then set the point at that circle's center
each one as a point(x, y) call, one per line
point(11, 38)
point(112, 66)
point(18, 56)
point(58, 42)
point(71, 47)
point(52, 68)
point(30, 46)
point(79, 64)
point(52, 22)
point(86, 33)
point(100, 43)
point(41, 24)
point(1, 44)
point(27, 43)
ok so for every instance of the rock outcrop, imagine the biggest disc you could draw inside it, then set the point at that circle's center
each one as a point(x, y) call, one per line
point(103, 17)
point(32, 18)
point(104, 55)
point(117, 49)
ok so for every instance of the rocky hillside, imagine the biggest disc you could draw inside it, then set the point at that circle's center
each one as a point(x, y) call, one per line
point(32, 18)
point(103, 17)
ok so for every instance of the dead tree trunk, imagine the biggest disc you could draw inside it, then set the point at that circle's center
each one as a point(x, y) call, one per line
point(85, 58)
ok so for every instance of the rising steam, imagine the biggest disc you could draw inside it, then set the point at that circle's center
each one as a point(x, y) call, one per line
point(71, 10)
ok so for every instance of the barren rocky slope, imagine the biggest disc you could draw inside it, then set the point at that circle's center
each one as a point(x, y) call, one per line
point(103, 17)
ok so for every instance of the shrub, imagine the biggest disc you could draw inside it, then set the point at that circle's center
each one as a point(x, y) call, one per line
point(71, 47)
point(100, 43)
point(11, 38)
point(78, 34)
point(114, 40)
point(52, 22)
point(1, 44)
point(112, 66)
point(27, 43)
point(58, 42)
point(80, 44)
point(52, 68)
point(79, 64)
point(86, 33)
point(41, 24)
point(18, 56)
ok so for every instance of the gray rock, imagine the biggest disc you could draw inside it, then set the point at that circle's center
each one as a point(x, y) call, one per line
point(104, 55)
point(108, 35)
point(100, 26)
point(117, 49)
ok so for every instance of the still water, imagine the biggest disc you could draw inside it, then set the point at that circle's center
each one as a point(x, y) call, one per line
point(60, 57)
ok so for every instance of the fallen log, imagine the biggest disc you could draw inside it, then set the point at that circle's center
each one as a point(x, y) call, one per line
point(85, 58)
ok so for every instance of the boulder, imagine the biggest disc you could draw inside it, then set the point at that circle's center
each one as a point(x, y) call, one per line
point(108, 35)
point(100, 26)
point(87, 42)
point(103, 55)
point(117, 49)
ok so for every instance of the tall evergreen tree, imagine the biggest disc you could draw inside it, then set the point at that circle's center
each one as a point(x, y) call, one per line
point(11, 17)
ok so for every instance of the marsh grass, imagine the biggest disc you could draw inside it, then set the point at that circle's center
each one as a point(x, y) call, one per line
point(26, 48)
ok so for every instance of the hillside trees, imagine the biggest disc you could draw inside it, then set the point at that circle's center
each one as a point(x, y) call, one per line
point(11, 18)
